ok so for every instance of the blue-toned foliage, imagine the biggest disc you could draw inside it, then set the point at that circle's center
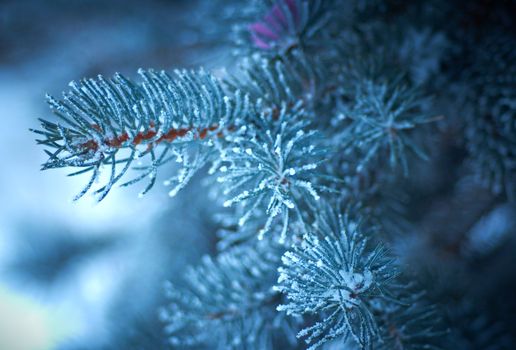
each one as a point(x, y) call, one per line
point(410, 324)
point(380, 119)
point(275, 81)
point(338, 273)
point(113, 122)
point(370, 50)
point(490, 113)
point(273, 165)
point(228, 302)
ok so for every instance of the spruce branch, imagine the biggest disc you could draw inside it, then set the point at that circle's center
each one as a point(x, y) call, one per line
point(411, 324)
point(273, 165)
point(337, 273)
point(113, 122)
point(229, 301)
point(277, 80)
point(380, 118)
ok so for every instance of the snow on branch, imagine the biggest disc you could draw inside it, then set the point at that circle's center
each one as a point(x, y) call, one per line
point(114, 122)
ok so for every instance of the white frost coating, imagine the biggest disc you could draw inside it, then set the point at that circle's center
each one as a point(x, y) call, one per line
point(308, 186)
point(288, 203)
point(181, 178)
point(237, 199)
point(282, 277)
point(283, 235)
point(174, 191)
point(352, 227)
point(291, 257)
point(290, 144)
point(311, 166)
point(357, 281)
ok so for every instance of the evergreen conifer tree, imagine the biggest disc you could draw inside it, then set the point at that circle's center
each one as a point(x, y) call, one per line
point(345, 148)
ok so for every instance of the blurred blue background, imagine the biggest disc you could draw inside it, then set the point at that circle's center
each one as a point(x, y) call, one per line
point(82, 275)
